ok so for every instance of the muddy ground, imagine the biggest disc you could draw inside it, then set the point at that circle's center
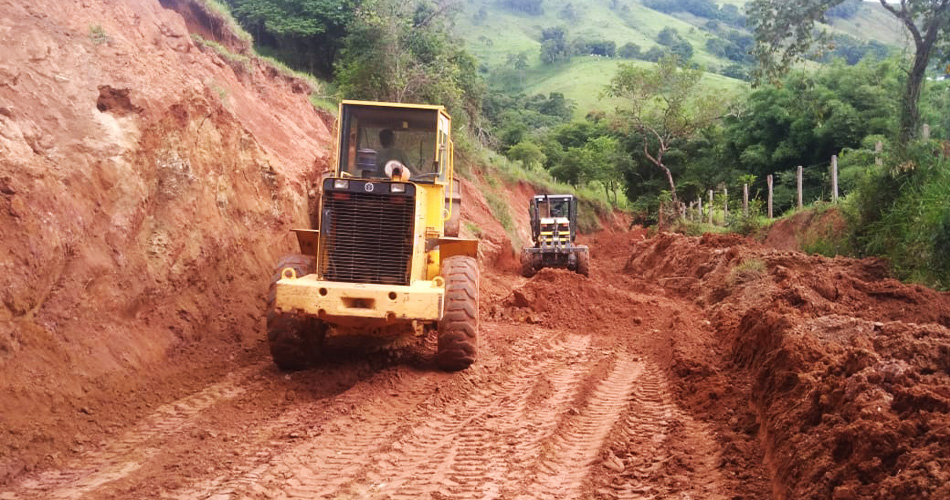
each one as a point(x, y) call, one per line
point(147, 186)
point(680, 369)
point(573, 396)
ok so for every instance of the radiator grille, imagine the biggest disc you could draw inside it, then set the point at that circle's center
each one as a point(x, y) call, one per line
point(367, 238)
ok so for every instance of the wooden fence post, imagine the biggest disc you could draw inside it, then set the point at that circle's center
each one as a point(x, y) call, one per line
point(834, 178)
point(745, 200)
point(725, 204)
point(769, 181)
point(878, 148)
point(710, 206)
point(799, 186)
point(699, 205)
point(925, 134)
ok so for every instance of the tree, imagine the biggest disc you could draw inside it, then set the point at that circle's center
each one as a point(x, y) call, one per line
point(308, 34)
point(554, 45)
point(532, 7)
point(667, 36)
point(654, 54)
point(785, 32)
point(605, 165)
point(400, 51)
point(528, 153)
point(663, 105)
point(682, 49)
point(630, 50)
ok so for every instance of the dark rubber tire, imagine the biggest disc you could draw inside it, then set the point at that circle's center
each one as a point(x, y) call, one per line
point(528, 268)
point(295, 341)
point(583, 262)
point(458, 328)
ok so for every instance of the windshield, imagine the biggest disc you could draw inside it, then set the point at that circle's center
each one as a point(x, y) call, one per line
point(553, 207)
point(375, 137)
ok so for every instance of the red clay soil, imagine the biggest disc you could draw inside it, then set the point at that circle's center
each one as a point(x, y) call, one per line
point(147, 189)
point(804, 229)
point(849, 371)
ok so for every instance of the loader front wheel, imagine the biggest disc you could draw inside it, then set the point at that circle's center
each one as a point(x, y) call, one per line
point(458, 328)
point(583, 263)
point(295, 341)
point(528, 269)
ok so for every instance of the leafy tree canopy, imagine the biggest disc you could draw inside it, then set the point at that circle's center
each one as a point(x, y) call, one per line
point(785, 33)
point(662, 105)
point(307, 33)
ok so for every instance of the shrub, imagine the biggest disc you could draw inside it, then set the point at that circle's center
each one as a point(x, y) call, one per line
point(747, 270)
point(902, 212)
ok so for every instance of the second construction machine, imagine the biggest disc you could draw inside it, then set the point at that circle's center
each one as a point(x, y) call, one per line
point(553, 229)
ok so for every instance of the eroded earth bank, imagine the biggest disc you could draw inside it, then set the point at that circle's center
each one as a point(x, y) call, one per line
point(147, 186)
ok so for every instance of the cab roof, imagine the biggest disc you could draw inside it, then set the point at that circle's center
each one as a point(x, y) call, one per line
point(393, 105)
point(542, 197)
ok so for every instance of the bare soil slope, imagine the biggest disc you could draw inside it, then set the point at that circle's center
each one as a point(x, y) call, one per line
point(849, 371)
point(145, 188)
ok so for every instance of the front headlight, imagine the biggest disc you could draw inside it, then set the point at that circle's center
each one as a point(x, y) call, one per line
point(341, 184)
point(397, 188)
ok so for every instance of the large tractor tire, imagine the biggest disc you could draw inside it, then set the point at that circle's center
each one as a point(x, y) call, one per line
point(528, 267)
point(458, 328)
point(583, 262)
point(295, 341)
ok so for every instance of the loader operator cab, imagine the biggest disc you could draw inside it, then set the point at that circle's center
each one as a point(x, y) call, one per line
point(373, 137)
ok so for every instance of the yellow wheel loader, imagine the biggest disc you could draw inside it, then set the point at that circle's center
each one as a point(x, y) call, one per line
point(553, 229)
point(385, 259)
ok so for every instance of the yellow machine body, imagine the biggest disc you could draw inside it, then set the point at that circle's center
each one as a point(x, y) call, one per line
point(383, 232)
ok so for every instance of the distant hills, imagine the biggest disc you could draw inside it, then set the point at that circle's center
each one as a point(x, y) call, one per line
point(574, 46)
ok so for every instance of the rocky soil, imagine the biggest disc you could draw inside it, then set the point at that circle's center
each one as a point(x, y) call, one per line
point(147, 186)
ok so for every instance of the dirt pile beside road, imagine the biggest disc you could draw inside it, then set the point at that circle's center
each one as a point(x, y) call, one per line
point(848, 370)
point(147, 187)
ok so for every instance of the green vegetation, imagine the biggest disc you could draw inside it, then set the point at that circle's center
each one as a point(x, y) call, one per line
point(473, 228)
point(224, 15)
point(747, 270)
point(307, 34)
point(663, 107)
point(902, 212)
point(617, 102)
point(98, 35)
point(240, 63)
point(785, 33)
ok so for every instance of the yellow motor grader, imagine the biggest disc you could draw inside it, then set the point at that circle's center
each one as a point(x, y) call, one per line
point(553, 229)
point(385, 259)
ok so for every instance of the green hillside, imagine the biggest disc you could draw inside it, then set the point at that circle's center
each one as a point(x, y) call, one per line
point(583, 78)
point(496, 33)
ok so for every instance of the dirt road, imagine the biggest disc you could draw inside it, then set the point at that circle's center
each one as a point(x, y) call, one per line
point(571, 398)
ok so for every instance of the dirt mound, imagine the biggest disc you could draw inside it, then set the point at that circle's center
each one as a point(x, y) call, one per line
point(848, 370)
point(805, 229)
point(147, 189)
point(562, 298)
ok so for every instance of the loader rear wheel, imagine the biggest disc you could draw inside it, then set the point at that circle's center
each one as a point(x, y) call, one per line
point(528, 268)
point(458, 328)
point(583, 263)
point(295, 341)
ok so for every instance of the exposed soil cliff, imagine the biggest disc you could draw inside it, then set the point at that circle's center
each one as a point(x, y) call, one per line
point(146, 188)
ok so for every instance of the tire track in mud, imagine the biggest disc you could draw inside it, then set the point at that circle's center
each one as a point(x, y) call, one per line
point(355, 455)
point(538, 422)
point(462, 451)
point(567, 459)
point(650, 431)
point(134, 448)
point(270, 440)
